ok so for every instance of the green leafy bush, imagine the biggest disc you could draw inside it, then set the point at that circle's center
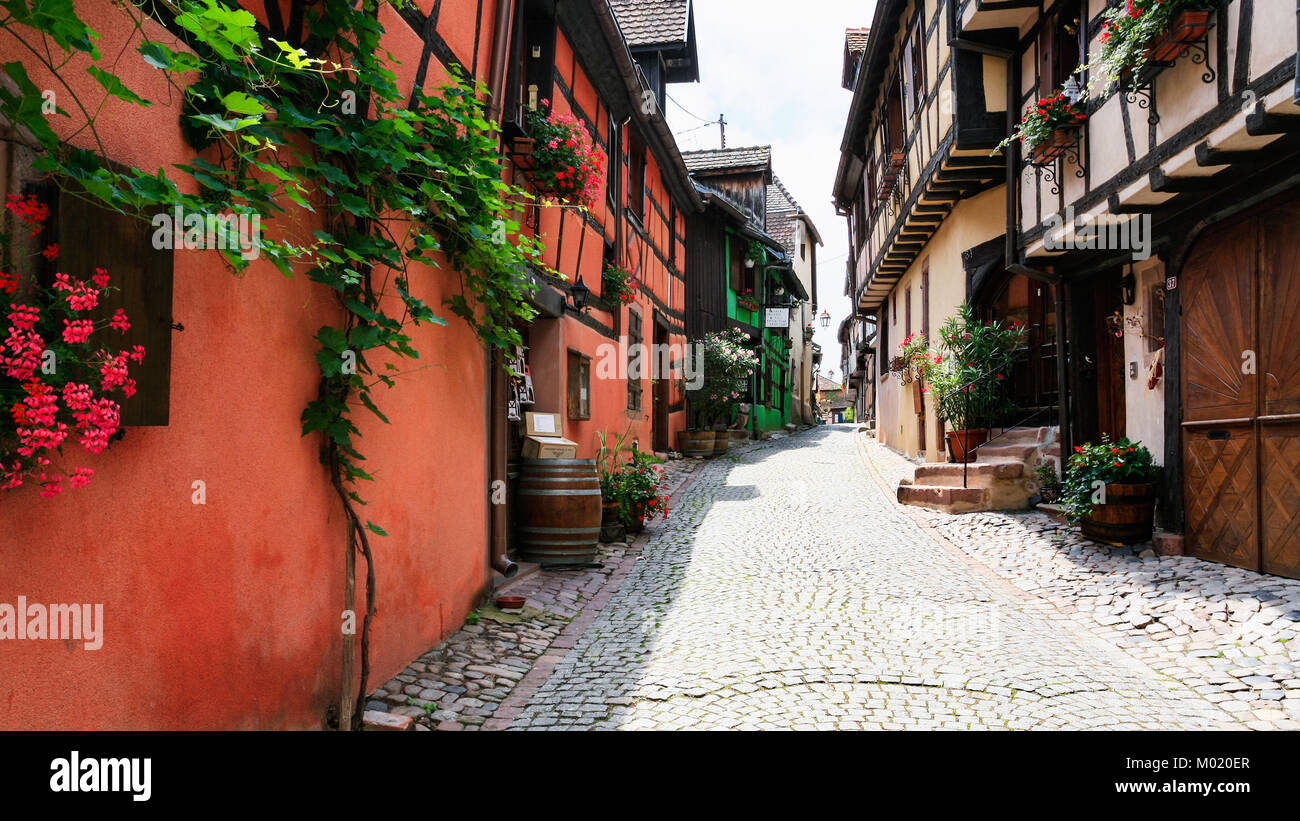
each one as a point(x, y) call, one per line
point(968, 374)
point(1093, 466)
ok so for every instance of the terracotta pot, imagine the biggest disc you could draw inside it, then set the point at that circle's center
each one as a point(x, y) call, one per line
point(1187, 27)
point(962, 441)
point(1056, 145)
point(696, 442)
point(1127, 517)
point(510, 602)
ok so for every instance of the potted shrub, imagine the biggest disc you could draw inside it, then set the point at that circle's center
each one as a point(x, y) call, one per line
point(566, 162)
point(728, 365)
point(1109, 489)
point(633, 491)
point(1049, 483)
point(1048, 128)
point(968, 376)
point(1138, 32)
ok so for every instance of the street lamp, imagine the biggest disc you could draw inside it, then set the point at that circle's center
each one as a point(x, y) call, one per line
point(826, 319)
point(579, 292)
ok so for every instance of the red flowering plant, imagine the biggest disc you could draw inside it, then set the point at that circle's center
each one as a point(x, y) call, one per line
point(1045, 117)
point(617, 283)
point(58, 367)
point(1127, 33)
point(1091, 466)
point(566, 162)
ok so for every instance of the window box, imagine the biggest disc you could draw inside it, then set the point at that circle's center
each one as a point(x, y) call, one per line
point(1061, 141)
point(1187, 28)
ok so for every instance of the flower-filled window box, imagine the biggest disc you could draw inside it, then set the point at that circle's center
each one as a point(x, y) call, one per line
point(1140, 36)
point(565, 161)
point(747, 301)
point(1049, 129)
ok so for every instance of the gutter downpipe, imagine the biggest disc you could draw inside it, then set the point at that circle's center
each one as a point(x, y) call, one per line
point(505, 15)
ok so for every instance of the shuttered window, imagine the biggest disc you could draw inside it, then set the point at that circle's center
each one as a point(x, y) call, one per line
point(579, 386)
point(140, 281)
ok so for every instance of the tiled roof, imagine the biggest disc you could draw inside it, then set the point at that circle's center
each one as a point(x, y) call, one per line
point(781, 212)
point(721, 159)
point(824, 384)
point(652, 22)
point(855, 40)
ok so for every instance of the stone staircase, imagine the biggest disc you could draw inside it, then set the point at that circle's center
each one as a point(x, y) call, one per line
point(1001, 478)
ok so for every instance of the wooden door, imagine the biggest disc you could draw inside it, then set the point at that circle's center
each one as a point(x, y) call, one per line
point(1111, 411)
point(1241, 393)
point(1219, 454)
point(1279, 384)
point(660, 392)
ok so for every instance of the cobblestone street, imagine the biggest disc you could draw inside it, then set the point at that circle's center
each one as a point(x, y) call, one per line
point(788, 590)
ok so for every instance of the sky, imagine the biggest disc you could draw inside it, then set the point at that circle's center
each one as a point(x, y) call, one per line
point(772, 68)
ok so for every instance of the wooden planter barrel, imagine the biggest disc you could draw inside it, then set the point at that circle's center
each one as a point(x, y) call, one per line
point(1127, 517)
point(696, 442)
point(559, 510)
point(721, 441)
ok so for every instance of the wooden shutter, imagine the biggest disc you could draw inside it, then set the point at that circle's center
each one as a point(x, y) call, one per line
point(578, 386)
point(925, 297)
point(907, 309)
point(91, 236)
point(736, 258)
point(1047, 57)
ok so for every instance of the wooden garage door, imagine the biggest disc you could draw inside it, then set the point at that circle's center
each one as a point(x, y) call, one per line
point(1241, 394)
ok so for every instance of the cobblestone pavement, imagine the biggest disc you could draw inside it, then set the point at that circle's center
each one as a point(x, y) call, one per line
point(1226, 632)
point(460, 684)
point(787, 590)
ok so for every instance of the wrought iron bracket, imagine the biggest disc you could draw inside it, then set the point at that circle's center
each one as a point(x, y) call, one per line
point(1053, 170)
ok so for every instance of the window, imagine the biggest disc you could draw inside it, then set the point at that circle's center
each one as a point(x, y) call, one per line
point(914, 67)
point(634, 359)
point(1058, 51)
point(612, 188)
point(579, 386)
point(635, 175)
point(533, 61)
point(907, 310)
point(91, 236)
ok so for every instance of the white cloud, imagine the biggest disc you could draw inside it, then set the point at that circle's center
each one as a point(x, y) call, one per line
point(773, 70)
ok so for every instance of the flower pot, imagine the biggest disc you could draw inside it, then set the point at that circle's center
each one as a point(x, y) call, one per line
point(611, 529)
point(638, 518)
point(1127, 517)
point(963, 443)
point(721, 440)
point(1053, 147)
point(1187, 27)
point(696, 443)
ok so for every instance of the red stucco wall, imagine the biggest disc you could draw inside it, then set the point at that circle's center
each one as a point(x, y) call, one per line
point(226, 615)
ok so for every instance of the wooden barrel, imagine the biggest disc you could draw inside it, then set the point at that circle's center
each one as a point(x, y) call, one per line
point(1125, 518)
point(696, 442)
point(721, 440)
point(559, 510)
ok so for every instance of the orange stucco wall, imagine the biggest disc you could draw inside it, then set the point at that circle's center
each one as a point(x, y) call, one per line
point(227, 614)
point(575, 248)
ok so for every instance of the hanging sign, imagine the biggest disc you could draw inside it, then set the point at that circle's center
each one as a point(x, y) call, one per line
point(777, 318)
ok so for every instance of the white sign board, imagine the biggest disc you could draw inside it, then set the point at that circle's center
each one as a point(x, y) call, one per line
point(777, 318)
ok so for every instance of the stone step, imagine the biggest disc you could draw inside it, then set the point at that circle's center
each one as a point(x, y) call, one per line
point(1024, 436)
point(1004, 452)
point(949, 474)
point(938, 497)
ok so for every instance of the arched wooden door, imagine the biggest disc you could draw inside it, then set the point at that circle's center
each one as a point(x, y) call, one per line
point(1241, 393)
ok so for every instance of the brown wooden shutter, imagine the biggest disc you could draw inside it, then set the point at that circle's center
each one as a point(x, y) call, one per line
point(633, 356)
point(90, 237)
point(925, 297)
point(1046, 58)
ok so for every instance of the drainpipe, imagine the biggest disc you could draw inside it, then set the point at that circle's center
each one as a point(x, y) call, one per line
point(497, 523)
point(500, 54)
point(1295, 95)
